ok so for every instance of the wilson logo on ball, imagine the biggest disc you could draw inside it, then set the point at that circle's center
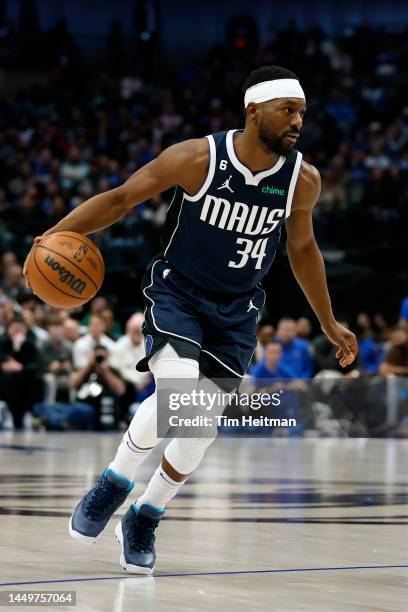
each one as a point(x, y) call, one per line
point(66, 277)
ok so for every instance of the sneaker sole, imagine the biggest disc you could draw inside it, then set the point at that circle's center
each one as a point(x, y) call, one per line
point(128, 567)
point(80, 536)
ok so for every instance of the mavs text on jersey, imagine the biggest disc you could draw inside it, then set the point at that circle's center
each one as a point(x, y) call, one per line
point(225, 237)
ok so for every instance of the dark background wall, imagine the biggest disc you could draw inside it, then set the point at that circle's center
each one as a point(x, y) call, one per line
point(190, 27)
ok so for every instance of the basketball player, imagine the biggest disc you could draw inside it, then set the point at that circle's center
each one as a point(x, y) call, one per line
point(233, 192)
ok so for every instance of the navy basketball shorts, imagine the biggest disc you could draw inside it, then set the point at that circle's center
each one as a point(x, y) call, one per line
point(218, 330)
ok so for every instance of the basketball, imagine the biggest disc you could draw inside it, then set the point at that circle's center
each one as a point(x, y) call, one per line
point(65, 270)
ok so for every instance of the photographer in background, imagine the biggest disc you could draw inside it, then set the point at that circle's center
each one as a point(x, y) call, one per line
point(97, 384)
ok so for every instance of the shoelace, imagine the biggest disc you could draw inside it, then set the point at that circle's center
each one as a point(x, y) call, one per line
point(102, 499)
point(141, 533)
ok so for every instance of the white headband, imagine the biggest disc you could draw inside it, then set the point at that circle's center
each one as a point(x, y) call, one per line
point(269, 90)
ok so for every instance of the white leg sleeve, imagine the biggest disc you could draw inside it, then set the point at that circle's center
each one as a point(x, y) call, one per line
point(141, 436)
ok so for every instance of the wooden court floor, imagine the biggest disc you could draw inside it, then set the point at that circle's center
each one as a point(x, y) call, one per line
point(277, 525)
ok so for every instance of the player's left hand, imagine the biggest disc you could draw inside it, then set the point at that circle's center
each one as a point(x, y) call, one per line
point(345, 341)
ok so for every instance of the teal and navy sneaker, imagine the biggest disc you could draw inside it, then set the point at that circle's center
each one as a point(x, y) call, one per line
point(135, 533)
point(93, 512)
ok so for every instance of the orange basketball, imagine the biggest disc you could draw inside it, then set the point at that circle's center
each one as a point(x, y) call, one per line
point(65, 269)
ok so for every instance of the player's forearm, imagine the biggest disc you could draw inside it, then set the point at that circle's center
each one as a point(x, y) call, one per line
point(308, 267)
point(94, 214)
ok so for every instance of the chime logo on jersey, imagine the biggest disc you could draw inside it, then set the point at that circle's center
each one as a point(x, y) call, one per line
point(240, 217)
point(273, 190)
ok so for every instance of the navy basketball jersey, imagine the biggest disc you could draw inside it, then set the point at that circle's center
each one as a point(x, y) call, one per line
point(224, 238)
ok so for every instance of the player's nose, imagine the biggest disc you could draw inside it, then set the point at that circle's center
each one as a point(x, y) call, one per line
point(297, 121)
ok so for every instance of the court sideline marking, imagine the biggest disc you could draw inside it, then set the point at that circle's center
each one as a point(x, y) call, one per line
point(265, 571)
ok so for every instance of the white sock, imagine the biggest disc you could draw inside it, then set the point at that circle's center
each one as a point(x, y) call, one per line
point(184, 455)
point(160, 490)
point(128, 458)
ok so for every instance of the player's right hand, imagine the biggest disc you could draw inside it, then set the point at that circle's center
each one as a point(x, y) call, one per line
point(37, 240)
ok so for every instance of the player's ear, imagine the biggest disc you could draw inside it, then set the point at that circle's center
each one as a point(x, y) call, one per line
point(252, 112)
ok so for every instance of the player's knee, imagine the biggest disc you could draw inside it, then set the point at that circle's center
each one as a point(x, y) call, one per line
point(166, 363)
point(185, 454)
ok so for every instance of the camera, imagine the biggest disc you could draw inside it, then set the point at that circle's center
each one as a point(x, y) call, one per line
point(101, 354)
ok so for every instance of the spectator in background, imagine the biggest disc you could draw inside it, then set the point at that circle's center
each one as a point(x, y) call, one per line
point(74, 169)
point(3, 301)
point(304, 328)
point(7, 312)
point(271, 366)
point(381, 329)
point(72, 330)
point(41, 312)
point(370, 352)
point(38, 334)
point(127, 352)
point(403, 318)
point(20, 386)
point(96, 306)
point(296, 353)
point(264, 334)
point(13, 281)
point(34, 313)
point(272, 375)
point(56, 361)
point(8, 260)
point(396, 359)
point(84, 347)
point(333, 193)
point(112, 327)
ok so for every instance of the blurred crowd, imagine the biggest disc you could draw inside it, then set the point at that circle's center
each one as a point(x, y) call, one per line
point(72, 131)
point(77, 130)
point(84, 360)
point(54, 358)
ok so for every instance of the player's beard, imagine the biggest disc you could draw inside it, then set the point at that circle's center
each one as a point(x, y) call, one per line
point(272, 143)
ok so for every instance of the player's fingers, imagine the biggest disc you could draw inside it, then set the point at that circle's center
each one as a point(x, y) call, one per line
point(346, 348)
point(37, 240)
point(27, 284)
point(347, 359)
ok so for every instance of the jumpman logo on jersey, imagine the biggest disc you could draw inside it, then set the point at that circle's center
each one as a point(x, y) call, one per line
point(226, 185)
point(251, 306)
